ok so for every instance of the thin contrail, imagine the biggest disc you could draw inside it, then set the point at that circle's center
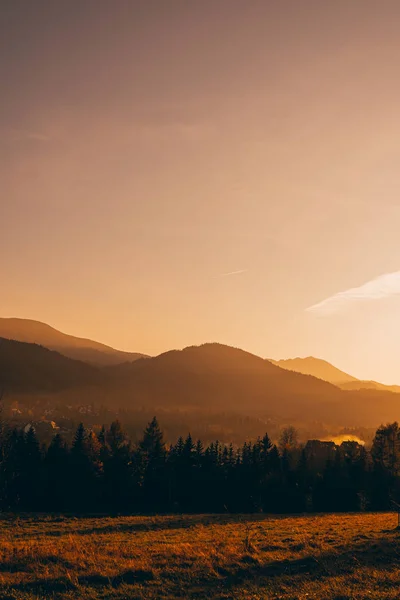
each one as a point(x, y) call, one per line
point(21, 134)
point(32, 135)
point(233, 273)
point(383, 286)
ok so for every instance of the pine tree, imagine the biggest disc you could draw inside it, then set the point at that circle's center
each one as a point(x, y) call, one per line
point(79, 443)
point(152, 445)
point(183, 465)
point(265, 451)
point(178, 449)
point(32, 473)
point(199, 478)
point(13, 470)
point(119, 481)
point(199, 453)
point(274, 491)
point(102, 472)
point(150, 463)
point(102, 436)
point(85, 469)
point(56, 464)
point(188, 450)
point(116, 437)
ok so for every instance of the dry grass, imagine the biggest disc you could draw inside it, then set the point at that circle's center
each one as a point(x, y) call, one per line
point(247, 557)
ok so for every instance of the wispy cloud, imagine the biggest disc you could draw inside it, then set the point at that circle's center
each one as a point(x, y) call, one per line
point(233, 273)
point(383, 286)
point(32, 135)
point(22, 134)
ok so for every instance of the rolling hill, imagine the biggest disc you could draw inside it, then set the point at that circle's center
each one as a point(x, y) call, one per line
point(219, 376)
point(35, 332)
point(30, 368)
point(326, 371)
point(225, 378)
point(360, 384)
point(315, 367)
point(212, 377)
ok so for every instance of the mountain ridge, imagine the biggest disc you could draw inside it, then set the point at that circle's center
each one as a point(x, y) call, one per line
point(210, 377)
point(84, 349)
point(318, 367)
point(32, 368)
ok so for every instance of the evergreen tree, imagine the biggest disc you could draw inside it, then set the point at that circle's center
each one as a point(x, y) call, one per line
point(119, 483)
point(304, 478)
point(103, 473)
point(32, 474)
point(151, 462)
point(56, 466)
point(13, 470)
point(85, 470)
point(183, 461)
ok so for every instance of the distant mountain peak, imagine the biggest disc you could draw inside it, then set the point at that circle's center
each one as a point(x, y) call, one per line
point(317, 367)
point(86, 350)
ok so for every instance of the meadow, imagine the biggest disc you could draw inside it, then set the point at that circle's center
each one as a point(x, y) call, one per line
point(339, 556)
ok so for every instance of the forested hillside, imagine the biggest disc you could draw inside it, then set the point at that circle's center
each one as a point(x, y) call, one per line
point(31, 369)
point(212, 377)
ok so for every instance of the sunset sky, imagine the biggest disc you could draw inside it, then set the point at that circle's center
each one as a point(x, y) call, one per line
point(180, 171)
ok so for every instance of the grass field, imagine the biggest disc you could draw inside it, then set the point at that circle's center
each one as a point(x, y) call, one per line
point(245, 557)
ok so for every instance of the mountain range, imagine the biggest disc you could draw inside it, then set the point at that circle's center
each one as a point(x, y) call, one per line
point(30, 368)
point(315, 367)
point(212, 377)
point(35, 332)
point(324, 370)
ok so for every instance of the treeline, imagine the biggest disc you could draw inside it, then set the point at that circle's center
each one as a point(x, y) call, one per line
point(107, 473)
point(205, 424)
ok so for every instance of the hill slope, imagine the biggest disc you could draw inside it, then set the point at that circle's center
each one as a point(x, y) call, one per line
point(221, 377)
point(31, 368)
point(315, 367)
point(326, 371)
point(215, 375)
point(35, 332)
point(211, 377)
point(369, 385)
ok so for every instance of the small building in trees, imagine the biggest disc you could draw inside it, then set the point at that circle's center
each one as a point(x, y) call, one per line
point(319, 452)
point(45, 430)
point(351, 449)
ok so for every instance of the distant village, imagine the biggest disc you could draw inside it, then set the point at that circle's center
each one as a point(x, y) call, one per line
point(49, 421)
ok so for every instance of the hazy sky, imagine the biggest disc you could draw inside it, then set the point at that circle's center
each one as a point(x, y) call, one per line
point(174, 172)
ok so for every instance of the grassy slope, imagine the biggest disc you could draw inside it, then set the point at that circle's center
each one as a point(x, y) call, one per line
point(238, 557)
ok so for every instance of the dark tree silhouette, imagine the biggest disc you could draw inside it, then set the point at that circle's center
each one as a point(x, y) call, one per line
point(56, 466)
point(151, 471)
point(105, 472)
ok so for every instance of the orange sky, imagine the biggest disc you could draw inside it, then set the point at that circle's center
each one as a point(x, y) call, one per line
point(148, 148)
